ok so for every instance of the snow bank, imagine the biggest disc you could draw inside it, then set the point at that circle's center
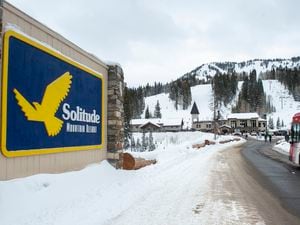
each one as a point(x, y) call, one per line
point(282, 147)
point(100, 194)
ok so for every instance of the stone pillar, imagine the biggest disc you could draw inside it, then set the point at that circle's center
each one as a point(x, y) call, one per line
point(115, 114)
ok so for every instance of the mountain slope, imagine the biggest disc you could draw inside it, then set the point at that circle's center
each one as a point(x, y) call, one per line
point(280, 98)
point(206, 71)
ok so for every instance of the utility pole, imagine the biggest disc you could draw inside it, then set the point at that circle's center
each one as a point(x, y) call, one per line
point(215, 130)
point(215, 117)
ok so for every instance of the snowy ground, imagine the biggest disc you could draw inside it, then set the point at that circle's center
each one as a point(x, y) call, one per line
point(168, 192)
point(282, 147)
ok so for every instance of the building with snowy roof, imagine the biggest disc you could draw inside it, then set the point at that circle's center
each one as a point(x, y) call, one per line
point(156, 125)
point(243, 122)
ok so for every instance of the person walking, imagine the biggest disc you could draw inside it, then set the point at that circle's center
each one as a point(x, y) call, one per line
point(266, 136)
point(286, 137)
point(270, 138)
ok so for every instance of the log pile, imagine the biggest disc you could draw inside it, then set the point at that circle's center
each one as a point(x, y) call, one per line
point(229, 140)
point(208, 142)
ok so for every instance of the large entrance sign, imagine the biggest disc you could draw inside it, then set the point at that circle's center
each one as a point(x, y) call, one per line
point(50, 103)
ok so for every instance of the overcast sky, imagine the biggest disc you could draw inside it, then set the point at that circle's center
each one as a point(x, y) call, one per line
point(160, 40)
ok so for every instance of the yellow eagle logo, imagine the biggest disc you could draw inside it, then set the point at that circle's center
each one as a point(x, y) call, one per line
point(54, 94)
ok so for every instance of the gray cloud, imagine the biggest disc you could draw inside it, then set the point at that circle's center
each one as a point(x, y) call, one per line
point(160, 40)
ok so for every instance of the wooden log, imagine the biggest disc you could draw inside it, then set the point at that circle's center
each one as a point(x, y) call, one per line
point(128, 161)
point(208, 142)
point(225, 141)
point(198, 145)
point(132, 163)
point(140, 163)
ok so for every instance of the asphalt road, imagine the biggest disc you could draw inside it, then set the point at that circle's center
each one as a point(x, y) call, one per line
point(275, 174)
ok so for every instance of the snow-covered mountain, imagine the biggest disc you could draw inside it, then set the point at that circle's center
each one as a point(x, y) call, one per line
point(208, 70)
point(279, 96)
point(275, 91)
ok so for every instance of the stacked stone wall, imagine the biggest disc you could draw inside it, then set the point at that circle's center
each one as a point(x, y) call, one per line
point(115, 114)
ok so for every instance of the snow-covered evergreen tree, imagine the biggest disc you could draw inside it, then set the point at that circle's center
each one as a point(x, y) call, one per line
point(151, 142)
point(144, 142)
point(278, 123)
point(147, 113)
point(157, 113)
point(132, 143)
point(138, 145)
point(182, 123)
point(126, 142)
point(271, 123)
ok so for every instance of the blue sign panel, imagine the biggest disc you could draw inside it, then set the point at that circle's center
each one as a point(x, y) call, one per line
point(49, 102)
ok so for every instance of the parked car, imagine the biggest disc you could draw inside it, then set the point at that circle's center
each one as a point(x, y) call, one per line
point(237, 134)
point(280, 132)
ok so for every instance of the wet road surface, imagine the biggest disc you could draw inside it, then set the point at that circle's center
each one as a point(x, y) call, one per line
point(275, 173)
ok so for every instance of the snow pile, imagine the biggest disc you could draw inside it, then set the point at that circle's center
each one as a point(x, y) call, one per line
point(282, 147)
point(164, 193)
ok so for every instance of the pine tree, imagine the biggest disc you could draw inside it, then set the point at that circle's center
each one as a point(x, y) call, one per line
point(186, 95)
point(278, 123)
point(182, 123)
point(147, 113)
point(271, 123)
point(282, 123)
point(151, 142)
point(224, 87)
point(157, 113)
point(126, 142)
point(132, 143)
point(173, 94)
point(144, 142)
point(127, 116)
point(252, 97)
point(138, 145)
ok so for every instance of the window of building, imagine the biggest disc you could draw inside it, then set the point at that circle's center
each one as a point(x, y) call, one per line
point(233, 124)
point(243, 123)
point(253, 123)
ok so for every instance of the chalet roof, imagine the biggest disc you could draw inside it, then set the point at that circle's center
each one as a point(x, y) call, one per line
point(195, 110)
point(225, 126)
point(262, 120)
point(243, 116)
point(160, 122)
point(143, 121)
point(149, 123)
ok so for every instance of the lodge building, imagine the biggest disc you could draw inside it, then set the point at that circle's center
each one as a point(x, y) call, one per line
point(242, 122)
